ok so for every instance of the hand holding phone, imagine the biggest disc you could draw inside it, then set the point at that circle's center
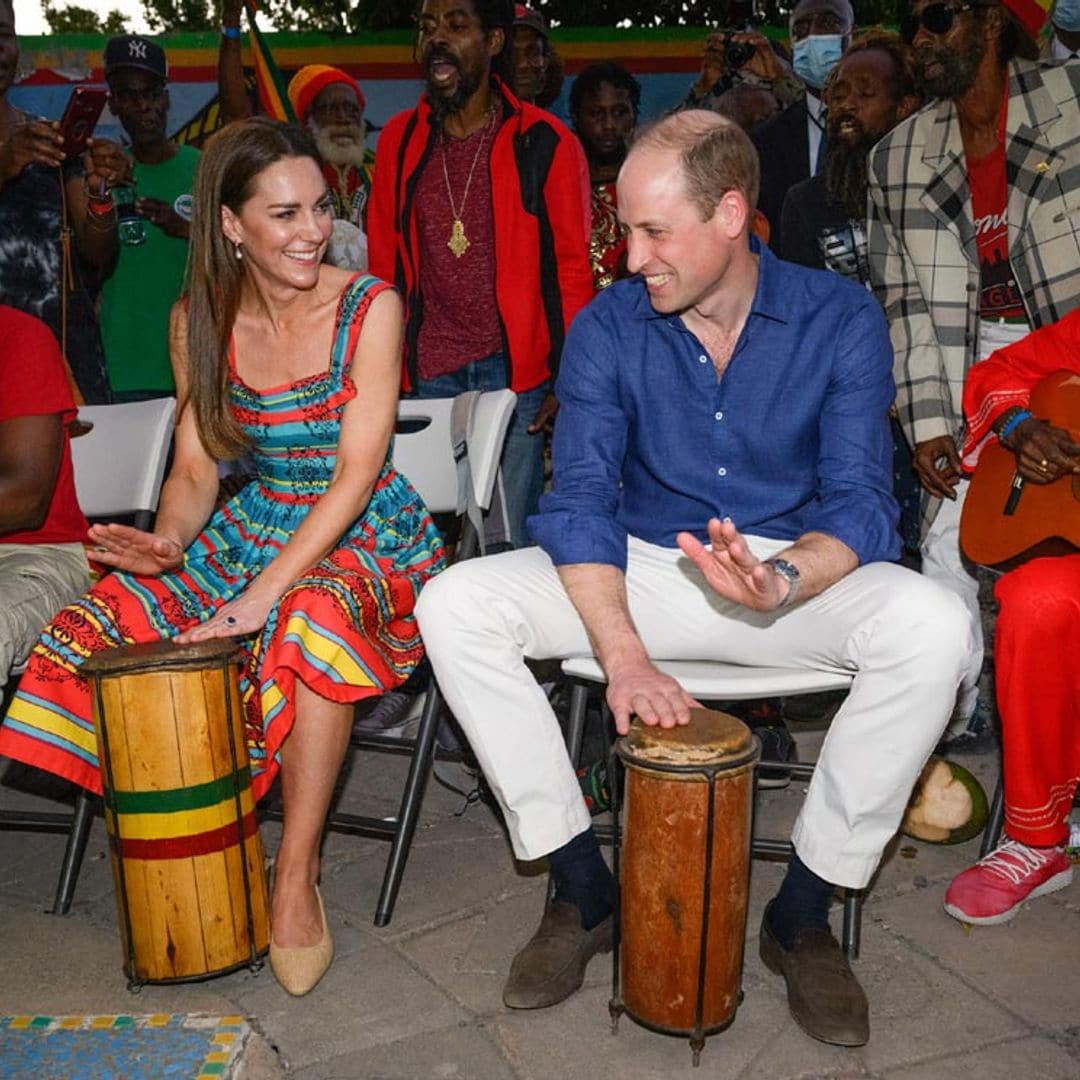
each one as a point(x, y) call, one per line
point(36, 142)
point(80, 117)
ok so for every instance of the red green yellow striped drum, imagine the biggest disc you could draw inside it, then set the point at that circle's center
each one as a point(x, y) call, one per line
point(186, 852)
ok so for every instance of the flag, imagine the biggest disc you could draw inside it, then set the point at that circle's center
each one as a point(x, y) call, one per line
point(269, 81)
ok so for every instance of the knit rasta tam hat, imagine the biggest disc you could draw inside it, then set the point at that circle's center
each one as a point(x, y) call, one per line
point(310, 81)
point(1030, 17)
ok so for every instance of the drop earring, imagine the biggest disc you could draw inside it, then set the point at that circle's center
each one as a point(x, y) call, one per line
point(238, 251)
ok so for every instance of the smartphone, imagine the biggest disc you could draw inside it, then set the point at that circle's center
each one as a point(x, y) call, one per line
point(81, 117)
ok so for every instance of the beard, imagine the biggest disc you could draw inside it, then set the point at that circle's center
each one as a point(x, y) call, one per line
point(341, 144)
point(445, 104)
point(956, 69)
point(845, 170)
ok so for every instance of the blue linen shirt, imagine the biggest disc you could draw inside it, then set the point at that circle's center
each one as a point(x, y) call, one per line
point(794, 438)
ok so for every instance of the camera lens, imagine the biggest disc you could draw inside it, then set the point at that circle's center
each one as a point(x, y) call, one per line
point(737, 53)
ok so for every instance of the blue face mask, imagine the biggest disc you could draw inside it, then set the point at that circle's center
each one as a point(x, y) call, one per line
point(815, 56)
point(1067, 15)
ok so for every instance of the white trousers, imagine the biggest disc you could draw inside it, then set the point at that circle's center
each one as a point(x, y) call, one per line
point(906, 640)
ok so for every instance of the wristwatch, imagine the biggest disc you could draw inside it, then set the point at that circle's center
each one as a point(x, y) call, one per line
point(790, 573)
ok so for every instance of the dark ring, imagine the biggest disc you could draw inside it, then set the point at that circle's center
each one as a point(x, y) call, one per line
point(230, 620)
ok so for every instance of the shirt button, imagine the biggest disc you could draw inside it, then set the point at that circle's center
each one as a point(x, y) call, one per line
point(721, 471)
point(702, 359)
point(720, 416)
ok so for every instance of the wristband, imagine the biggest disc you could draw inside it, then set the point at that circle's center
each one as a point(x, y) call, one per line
point(1014, 422)
point(233, 33)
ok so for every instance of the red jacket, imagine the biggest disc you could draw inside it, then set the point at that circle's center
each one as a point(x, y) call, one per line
point(540, 203)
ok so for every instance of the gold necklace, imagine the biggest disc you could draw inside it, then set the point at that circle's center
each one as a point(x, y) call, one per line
point(459, 243)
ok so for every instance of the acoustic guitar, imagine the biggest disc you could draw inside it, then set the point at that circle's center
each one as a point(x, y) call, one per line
point(1005, 521)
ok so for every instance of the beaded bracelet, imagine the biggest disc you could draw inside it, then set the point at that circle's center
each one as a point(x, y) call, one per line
point(1013, 423)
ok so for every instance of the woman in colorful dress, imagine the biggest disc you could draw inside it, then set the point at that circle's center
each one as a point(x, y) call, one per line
point(316, 565)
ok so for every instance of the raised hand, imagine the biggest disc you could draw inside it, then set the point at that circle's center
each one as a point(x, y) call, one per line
point(126, 548)
point(732, 569)
point(106, 165)
point(162, 214)
point(36, 142)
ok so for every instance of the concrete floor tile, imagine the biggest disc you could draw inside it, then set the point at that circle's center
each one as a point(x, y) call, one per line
point(1029, 1058)
point(371, 995)
point(462, 1052)
point(1021, 965)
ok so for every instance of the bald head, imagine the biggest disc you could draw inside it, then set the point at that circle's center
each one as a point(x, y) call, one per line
point(715, 156)
point(821, 17)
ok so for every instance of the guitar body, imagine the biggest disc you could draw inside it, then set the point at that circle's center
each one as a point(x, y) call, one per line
point(1046, 520)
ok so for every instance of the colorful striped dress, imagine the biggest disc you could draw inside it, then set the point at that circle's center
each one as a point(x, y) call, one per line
point(345, 629)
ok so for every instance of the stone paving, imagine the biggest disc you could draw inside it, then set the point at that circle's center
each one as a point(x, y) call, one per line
point(421, 998)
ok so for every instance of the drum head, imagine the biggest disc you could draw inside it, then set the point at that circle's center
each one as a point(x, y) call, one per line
point(712, 738)
point(161, 655)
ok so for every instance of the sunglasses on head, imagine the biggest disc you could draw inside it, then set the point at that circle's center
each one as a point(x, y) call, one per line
point(937, 18)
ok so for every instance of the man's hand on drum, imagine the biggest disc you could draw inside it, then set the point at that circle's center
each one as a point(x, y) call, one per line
point(247, 614)
point(732, 569)
point(639, 689)
point(126, 548)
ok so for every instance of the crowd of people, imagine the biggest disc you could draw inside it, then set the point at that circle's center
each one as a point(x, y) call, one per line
point(771, 333)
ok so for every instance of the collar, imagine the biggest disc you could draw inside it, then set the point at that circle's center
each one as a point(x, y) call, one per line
point(511, 105)
point(1058, 49)
point(770, 298)
point(813, 107)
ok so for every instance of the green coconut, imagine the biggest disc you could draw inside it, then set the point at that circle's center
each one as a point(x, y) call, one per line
point(948, 805)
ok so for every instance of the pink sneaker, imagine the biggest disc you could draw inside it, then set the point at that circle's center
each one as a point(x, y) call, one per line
point(994, 888)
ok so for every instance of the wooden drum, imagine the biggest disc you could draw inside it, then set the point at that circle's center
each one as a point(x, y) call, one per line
point(684, 869)
point(187, 857)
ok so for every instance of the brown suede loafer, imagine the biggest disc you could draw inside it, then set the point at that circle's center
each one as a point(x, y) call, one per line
point(824, 996)
point(552, 965)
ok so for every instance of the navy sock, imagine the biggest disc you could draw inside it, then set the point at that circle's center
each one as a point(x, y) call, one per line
point(802, 902)
point(582, 878)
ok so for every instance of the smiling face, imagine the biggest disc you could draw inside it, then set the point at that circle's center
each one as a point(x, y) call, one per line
point(455, 52)
point(140, 101)
point(683, 259)
point(283, 229)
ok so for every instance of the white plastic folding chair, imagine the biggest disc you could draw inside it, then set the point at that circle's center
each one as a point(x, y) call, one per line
point(714, 681)
point(449, 449)
point(119, 466)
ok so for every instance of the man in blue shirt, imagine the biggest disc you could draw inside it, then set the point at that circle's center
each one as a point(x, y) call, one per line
point(719, 397)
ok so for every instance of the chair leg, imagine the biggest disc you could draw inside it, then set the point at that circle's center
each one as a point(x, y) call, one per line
point(853, 901)
point(411, 800)
point(995, 822)
point(575, 728)
point(81, 821)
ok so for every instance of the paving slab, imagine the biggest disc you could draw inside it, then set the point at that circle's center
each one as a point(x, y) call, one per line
point(1029, 1058)
point(1008, 964)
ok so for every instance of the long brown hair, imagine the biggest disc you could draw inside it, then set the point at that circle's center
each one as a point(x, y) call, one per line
point(231, 163)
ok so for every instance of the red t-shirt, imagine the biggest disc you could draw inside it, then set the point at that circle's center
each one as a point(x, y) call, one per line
point(999, 297)
point(33, 382)
point(461, 314)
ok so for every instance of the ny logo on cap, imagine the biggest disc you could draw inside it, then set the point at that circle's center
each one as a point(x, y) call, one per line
point(137, 50)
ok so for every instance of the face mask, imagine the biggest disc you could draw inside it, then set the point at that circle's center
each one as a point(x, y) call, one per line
point(1067, 15)
point(815, 56)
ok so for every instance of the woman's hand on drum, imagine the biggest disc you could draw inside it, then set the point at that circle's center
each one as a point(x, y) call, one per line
point(247, 614)
point(640, 689)
point(732, 569)
point(124, 547)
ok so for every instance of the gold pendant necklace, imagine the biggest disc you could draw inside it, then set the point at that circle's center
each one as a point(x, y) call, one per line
point(459, 243)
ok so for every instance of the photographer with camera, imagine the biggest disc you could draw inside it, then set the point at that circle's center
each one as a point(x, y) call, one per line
point(741, 57)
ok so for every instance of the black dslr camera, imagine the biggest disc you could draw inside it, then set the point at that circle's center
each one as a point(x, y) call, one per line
point(737, 53)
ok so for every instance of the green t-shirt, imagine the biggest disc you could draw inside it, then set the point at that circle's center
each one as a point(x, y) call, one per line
point(136, 299)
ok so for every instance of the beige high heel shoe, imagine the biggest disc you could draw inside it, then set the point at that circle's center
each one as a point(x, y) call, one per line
point(299, 969)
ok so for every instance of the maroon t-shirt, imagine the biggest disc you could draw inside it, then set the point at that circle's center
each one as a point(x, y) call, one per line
point(461, 316)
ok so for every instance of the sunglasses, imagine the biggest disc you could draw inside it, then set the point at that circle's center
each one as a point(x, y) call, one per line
point(937, 18)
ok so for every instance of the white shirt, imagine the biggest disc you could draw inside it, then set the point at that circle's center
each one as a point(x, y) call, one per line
point(813, 126)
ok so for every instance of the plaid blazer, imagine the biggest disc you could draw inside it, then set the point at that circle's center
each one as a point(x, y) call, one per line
point(923, 256)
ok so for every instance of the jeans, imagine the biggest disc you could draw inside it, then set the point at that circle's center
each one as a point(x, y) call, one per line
point(522, 462)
